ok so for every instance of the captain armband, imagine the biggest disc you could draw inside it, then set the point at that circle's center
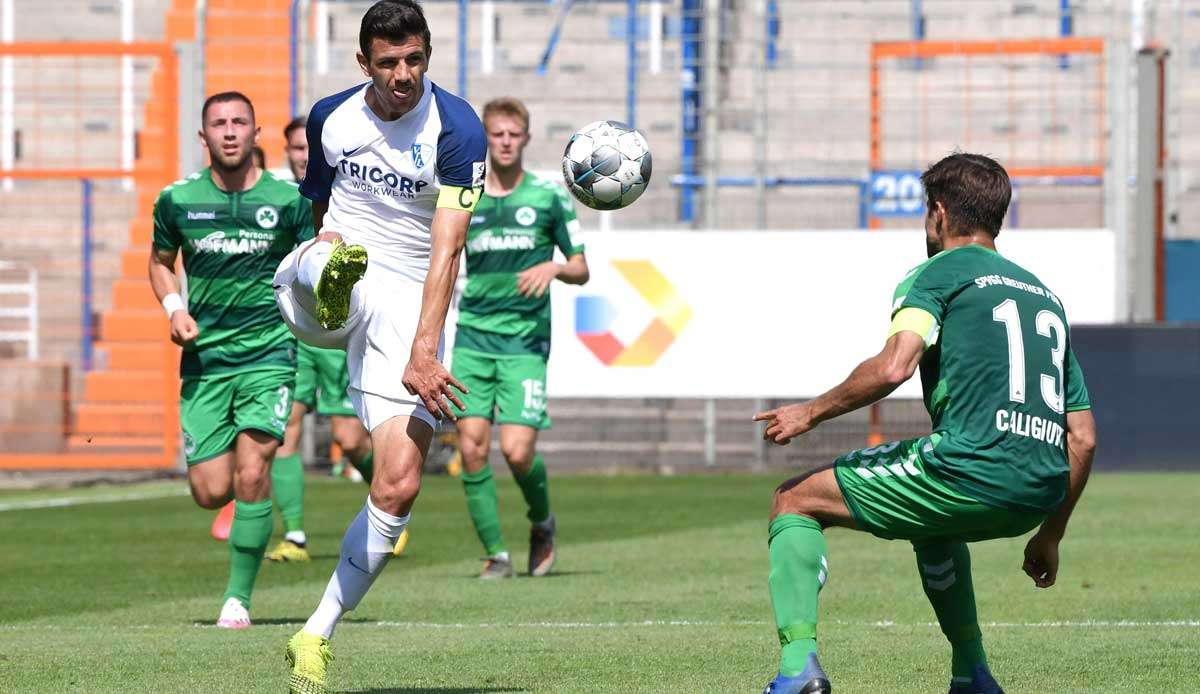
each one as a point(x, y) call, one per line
point(917, 321)
point(459, 197)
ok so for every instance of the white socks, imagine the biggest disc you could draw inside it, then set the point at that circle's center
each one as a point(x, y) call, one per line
point(366, 549)
point(296, 536)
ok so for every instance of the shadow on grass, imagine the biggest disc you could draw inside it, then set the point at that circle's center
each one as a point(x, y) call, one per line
point(435, 690)
point(285, 621)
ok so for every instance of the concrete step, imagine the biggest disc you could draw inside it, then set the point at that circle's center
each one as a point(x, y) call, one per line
point(104, 419)
point(134, 295)
point(136, 356)
point(134, 326)
point(124, 387)
point(89, 443)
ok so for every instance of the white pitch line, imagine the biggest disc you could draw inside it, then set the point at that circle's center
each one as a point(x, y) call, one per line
point(388, 624)
point(81, 500)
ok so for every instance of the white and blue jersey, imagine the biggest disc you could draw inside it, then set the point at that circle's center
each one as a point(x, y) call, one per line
point(381, 179)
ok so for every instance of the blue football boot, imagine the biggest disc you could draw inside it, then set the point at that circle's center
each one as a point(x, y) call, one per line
point(812, 680)
point(981, 682)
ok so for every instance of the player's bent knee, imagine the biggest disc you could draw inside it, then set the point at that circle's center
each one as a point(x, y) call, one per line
point(397, 496)
point(520, 458)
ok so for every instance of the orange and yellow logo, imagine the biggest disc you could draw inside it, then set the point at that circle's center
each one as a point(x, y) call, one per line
point(594, 316)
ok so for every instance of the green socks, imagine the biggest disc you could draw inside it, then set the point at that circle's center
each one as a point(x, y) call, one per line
point(287, 488)
point(798, 572)
point(247, 542)
point(366, 467)
point(536, 491)
point(480, 489)
point(945, 569)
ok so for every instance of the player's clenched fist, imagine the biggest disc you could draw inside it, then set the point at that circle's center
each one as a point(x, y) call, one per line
point(427, 378)
point(184, 330)
point(787, 422)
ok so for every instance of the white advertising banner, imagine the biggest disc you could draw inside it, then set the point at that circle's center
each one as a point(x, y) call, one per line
point(767, 314)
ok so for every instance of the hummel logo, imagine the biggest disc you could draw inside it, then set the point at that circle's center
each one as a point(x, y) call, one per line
point(350, 152)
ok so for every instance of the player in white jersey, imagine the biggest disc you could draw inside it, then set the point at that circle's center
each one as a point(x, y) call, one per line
point(395, 168)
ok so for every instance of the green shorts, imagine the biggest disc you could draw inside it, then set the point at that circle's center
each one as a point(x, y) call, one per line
point(512, 385)
point(321, 380)
point(214, 409)
point(892, 493)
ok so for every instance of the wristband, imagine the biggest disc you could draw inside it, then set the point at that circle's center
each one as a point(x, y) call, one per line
point(172, 303)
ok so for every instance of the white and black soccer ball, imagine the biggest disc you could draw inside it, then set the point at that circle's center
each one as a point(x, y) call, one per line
point(606, 165)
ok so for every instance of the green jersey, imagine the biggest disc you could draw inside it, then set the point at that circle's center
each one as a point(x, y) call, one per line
point(232, 243)
point(507, 235)
point(998, 378)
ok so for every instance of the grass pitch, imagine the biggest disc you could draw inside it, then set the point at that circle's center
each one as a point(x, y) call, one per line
point(661, 587)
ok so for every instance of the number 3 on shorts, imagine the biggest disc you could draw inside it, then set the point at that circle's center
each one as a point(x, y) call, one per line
point(281, 407)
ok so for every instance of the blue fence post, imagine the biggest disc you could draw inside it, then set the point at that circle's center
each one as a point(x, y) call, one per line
point(86, 328)
point(631, 79)
point(294, 58)
point(864, 202)
point(690, 76)
point(772, 34)
point(1066, 27)
point(463, 9)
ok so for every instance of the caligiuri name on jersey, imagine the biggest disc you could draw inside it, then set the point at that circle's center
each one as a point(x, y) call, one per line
point(1030, 426)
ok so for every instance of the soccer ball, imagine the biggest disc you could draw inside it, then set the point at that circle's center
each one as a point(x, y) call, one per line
point(606, 165)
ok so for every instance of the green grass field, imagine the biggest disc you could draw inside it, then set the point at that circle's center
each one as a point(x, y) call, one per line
point(661, 587)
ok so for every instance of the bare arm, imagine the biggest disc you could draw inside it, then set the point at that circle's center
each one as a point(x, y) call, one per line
point(1041, 554)
point(535, 281)
point(869, 382)
point(164, 281)
point(425, 376)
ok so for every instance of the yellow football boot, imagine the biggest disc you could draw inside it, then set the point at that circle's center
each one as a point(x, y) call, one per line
point(308, 655)
point(287, 550)
point(401, 543)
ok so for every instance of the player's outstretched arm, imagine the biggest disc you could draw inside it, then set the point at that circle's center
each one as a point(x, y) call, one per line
point(1041, 553)
point(871, 381)
point(425, 375)
point(165, 283)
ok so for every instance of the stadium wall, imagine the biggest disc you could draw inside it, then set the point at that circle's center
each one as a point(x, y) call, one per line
point(1142, 380)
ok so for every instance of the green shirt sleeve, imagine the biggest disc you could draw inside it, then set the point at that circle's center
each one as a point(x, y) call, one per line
point(1076, 388)
point(566, 226)
point(166, 233)
point(927, 287)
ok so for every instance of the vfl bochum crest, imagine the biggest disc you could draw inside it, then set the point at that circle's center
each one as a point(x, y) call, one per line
point(419, 152)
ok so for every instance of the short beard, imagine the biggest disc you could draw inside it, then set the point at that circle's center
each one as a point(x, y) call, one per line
point(224, 168)
point(933, 246)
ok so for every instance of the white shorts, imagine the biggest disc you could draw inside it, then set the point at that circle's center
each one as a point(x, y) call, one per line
point(378, 335)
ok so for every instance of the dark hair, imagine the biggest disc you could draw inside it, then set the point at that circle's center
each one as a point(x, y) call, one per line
point(392, 20)
point(224, 97)
point(297, 123)
point(973, 189)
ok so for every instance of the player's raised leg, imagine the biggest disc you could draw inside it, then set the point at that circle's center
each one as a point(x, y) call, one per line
point(518, 444)
point(475, 440)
